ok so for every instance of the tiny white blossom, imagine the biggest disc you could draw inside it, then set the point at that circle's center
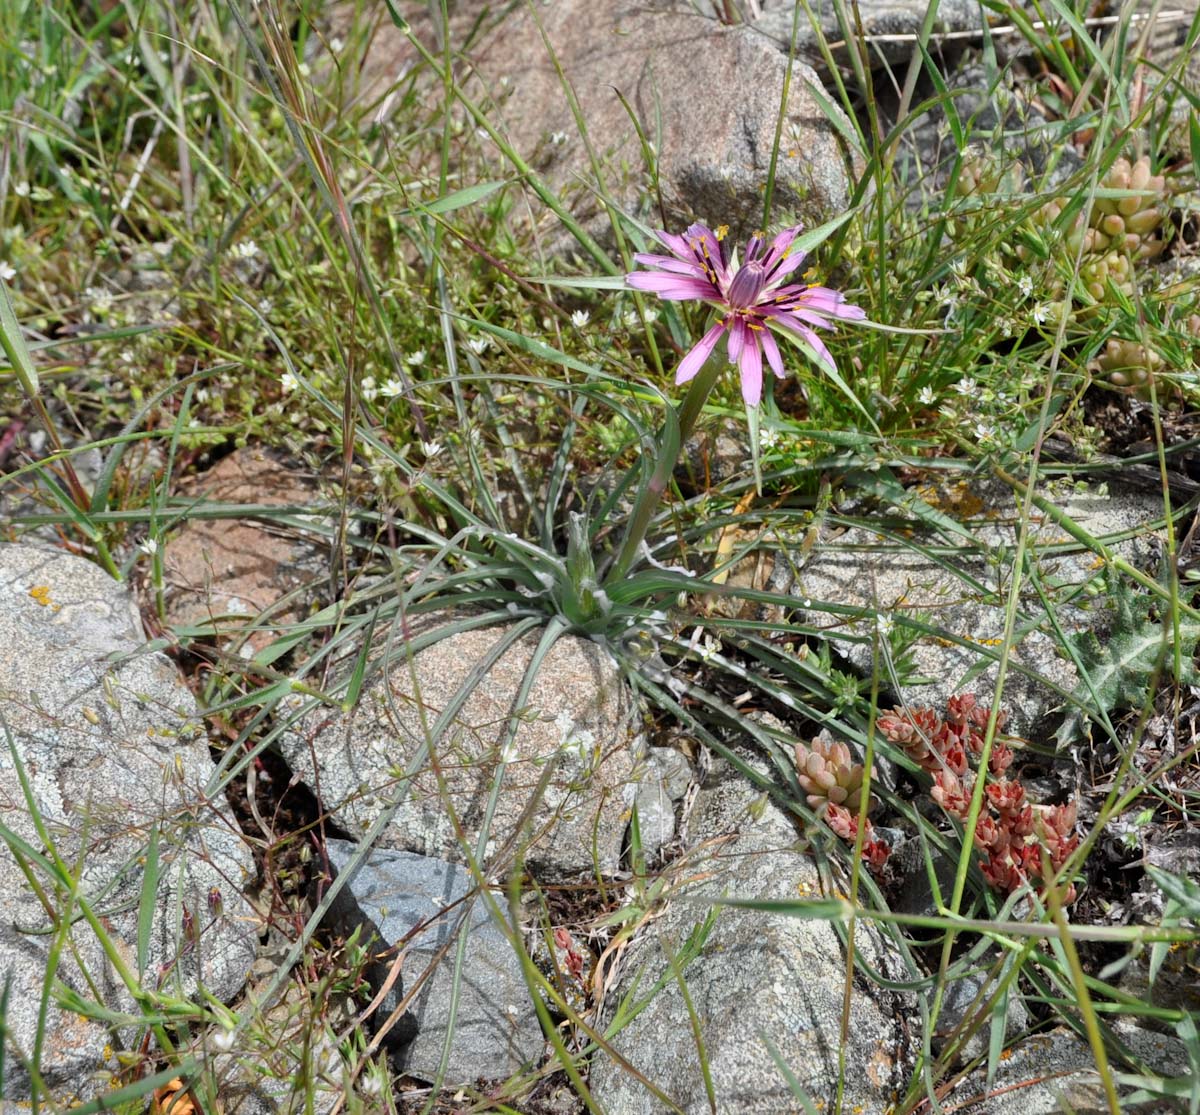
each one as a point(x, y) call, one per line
point(7, 271)
point(336, 45)
point(368, 388)
point(479, 345)
point(509, 752)
point(245, 249)
point(580, 318)
point(21, 189)
point(391, 388)
point(966, 386)
point(1040, 312)
point(222, 1041)
point(99, 299)
point(149, 547)
point(712, 645)
point(415, 358)
point(958, 267)
point(1025, 286)
point(884, 625)
point(431, 449)
point(265, 306)
point(288, 382)
point(926, 396)
point(558, 138)
point(984, 430)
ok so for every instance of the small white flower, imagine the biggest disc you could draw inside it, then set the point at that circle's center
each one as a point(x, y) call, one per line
point(265, 306)
point(222, 1041)
point(1040, 313)
point(967, 386)
point(431, 449)
point(509, 752)
point(984, 430)
point(149, 547)
point(21, 189)
point(413, 359)
point(368, 388)
point(99, 300)
point(884, 625)
point(336, 45)
point(958, 267)
point(557, 139)
point(768, 438)
point(712, 645)
point(479, 345)
point(245, 249)
point(288, 382)
point(391, 388)
point(926, 396)
point(1025, 286)
point(580, 318)
point(371, 1086)
point(7, 271)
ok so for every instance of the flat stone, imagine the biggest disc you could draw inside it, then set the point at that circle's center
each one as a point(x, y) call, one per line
point(757, 976)
point(862, 568)
point(113, 748)
point(1055, 1072)
point(578, 715)
point(220, 574)
point(495, 1030)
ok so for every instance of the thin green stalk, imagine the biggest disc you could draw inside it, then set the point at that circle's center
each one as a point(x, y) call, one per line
point(648, 498)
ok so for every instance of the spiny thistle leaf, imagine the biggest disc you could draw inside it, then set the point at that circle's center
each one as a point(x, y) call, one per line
point(1118, 668)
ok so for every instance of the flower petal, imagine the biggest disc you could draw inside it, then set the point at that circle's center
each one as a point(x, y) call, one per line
point(669, 263)
point(750, 366)
point(772, 351)
point(676, 245)
point(672, 287)
point(694, 360)
point(817, 345)
point(737, 340)
point(831, 302)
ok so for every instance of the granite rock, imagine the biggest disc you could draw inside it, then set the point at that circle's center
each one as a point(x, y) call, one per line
point(578, 716)
point(961, 589)
point(113, 748)
point(757, 975)
point(391, 895)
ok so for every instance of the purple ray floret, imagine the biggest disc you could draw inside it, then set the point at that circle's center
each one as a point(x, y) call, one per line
point(753, 298)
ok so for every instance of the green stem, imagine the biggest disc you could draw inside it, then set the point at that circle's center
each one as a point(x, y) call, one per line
point(675, 433)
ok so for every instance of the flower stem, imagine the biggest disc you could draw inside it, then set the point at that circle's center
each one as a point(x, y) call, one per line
point(673, 437)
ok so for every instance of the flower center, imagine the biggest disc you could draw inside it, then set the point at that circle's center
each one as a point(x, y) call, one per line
point(747, 285)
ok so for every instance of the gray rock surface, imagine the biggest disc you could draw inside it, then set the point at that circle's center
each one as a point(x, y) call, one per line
point(863, 568)
point(964, 1000)
point(1055, 1072)
point(758, 976)
point(707, 97)
point(660, 789)
point(496, 1030)
point(578, 716)
point(110, 740)
point(890, 28)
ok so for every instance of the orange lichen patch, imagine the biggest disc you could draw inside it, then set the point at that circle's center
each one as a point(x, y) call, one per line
point(173, 1099)
point(40, 594)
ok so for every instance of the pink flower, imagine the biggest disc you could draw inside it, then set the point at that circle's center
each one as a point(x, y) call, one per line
point(753, 298)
